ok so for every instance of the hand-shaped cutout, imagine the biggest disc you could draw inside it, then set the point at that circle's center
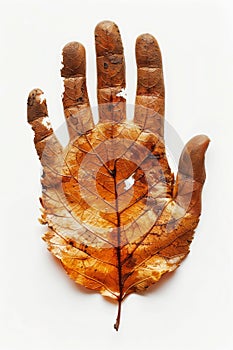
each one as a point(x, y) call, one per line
point(117, 219)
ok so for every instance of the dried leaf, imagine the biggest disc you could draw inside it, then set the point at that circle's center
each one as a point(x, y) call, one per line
point(117, 218)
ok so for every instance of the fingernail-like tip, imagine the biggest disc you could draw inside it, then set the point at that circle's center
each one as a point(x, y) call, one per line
point(199, 142)
point(36, 105)
point(108, 39)
point(201, 139)
point(192, 158)
point(35, 93)
point(72, 47)
point(34, 97)
point(106, 26)
point(73, 60)
point(147, 38)
point(148, 52)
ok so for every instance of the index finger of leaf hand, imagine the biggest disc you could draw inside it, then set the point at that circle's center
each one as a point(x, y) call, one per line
point(149, 104)
point(75, 99)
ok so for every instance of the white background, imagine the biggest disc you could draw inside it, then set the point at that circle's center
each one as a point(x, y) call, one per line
point(40, 308)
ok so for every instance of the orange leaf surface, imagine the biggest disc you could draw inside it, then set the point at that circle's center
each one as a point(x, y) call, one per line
point(117, 218)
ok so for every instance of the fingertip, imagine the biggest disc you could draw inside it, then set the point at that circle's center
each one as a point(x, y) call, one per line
point(148, 52)
point(108, 38)
point(193, 156)
point(36, 106)
point(74, 60)
point(106, 25)
point(198, 143)
point(34, 96)
point(146, 38)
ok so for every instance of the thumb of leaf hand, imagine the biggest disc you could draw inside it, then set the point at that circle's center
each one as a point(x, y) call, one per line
point(191, 175)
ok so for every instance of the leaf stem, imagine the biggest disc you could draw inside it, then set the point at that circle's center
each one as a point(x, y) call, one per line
point(117, 323)
point(118, 250)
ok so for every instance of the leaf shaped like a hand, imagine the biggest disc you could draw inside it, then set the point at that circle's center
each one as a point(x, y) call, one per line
point(117, 218)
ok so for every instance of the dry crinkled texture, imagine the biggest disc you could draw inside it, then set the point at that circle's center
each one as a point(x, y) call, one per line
point(117, 218)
